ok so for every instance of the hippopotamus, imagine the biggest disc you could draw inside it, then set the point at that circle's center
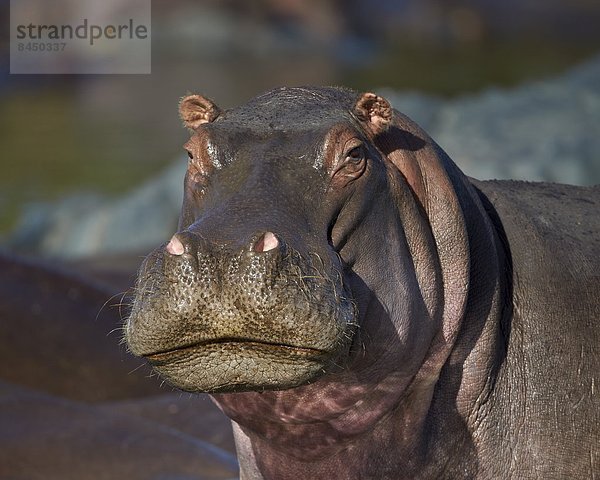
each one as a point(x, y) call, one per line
point(361, 309)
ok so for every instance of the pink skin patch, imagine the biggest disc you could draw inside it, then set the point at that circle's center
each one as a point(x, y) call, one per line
point(267, 241)
point(175, 247)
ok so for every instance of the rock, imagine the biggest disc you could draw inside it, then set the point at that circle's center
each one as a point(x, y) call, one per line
point(546, 130)
point(83, 225)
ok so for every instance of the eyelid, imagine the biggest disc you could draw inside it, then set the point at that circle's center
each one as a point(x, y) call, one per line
point(352, 144)
point(357, 149)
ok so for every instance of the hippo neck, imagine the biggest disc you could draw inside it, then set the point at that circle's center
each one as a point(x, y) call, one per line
point(384, 451)
point(378, 436)
point(409, 440)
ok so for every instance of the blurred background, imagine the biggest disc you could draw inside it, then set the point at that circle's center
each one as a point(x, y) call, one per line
point(92, 165)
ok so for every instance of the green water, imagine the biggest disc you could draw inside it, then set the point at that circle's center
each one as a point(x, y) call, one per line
point(49, 149)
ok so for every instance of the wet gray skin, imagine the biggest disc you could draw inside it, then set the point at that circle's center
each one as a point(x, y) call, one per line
point(361, 309)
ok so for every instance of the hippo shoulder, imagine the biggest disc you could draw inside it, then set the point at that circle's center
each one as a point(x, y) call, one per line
point(553, 232)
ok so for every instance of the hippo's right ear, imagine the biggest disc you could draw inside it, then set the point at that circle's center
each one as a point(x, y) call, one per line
point(195, 110)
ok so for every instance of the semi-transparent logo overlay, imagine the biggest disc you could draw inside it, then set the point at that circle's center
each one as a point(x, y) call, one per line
point(80, 36)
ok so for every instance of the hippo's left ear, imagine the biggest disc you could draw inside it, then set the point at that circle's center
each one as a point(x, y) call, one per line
point(195, 110)
point(374, 112)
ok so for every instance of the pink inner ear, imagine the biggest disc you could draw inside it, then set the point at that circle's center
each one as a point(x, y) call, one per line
point(379, 122)
point(195, 110)
point(375, 111)
point(267, 241)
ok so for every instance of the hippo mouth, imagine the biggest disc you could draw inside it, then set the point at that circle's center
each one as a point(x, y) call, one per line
point(249, 345)
point(223, 322)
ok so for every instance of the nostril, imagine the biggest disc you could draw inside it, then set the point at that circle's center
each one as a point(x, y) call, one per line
point(266, 242)
point(175, 247)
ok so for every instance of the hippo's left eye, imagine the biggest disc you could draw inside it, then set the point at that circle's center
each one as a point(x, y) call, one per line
point(357, 154)
point(354, 163)
point(351, 165)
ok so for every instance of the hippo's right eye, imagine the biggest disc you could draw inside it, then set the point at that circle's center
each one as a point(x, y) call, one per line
point(191, 157)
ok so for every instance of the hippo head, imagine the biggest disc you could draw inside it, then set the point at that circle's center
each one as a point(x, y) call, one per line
point(295, 211)
point(250, 294)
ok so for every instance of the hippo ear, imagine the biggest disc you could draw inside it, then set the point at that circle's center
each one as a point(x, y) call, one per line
point(195, 110)
point(374, 112)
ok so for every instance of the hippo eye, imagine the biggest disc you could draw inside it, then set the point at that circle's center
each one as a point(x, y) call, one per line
point(191, 157)
point(355, 155)
point(352, 167)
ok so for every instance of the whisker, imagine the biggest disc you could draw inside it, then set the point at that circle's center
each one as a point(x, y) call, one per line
point(105, 304)
point(136, 368)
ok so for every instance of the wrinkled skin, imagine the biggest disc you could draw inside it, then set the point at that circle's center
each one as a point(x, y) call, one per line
point(361, 309)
